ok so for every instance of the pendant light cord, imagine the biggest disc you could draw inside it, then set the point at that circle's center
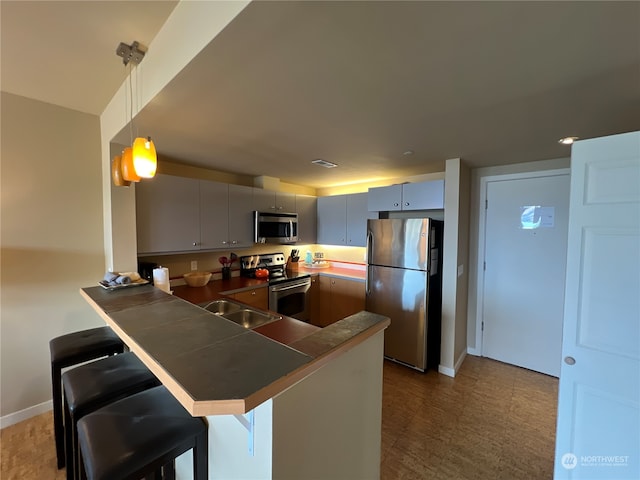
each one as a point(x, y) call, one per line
point(130, 105)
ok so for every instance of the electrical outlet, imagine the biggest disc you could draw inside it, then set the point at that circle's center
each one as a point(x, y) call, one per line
point(194, 265)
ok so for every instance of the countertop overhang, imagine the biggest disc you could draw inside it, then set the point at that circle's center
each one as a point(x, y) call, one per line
point(212, 365)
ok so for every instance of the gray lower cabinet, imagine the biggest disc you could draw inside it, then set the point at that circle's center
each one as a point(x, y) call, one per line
point(409, 196)
point(168, 214)
point(177, 214)
point(306, 208)
point(342, 220)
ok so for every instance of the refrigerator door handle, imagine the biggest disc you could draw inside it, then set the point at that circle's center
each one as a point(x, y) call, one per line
point(369, 245)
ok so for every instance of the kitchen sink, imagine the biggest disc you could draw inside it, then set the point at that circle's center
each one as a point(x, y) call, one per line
point(222, 307)
point(240, 314)
point(250, 318)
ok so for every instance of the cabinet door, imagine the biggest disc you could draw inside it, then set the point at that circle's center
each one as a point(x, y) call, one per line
point(168, 214)
point(214, 214)
point(315, 301)
point(332, 220)
point(285, 202)
point(357, 215)
point(306, 207)
point(258, 297)
point(385, 199)
point(347, 297)
point(324, 312)
point(423, 195)
point(240, 216)
point(264, 200)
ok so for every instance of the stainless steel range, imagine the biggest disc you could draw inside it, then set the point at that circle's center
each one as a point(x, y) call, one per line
point(288, 291)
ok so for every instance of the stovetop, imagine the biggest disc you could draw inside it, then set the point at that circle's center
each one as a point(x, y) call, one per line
point(274, 262)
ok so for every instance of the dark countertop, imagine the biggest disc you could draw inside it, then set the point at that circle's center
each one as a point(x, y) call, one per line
point(212, 365)
point(212, 290)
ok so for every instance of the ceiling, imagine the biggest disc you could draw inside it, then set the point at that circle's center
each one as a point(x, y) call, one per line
point(354, 83)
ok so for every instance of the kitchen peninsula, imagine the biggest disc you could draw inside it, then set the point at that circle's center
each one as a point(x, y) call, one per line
point(310, 409)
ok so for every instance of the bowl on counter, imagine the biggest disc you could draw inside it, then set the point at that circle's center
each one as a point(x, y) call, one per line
point(197, 279)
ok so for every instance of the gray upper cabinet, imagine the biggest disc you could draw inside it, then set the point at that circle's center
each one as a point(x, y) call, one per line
point(168, 214)
point(306, 208)
point(342, 220)
point(272, 201)
point(240, 216)
point(409, 196)
point(176, 214)
point(225, 215)
point(332, 220)
point(357, 216)
point(214, 214)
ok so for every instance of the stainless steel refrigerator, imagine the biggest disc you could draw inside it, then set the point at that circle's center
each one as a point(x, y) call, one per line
point(404, 283)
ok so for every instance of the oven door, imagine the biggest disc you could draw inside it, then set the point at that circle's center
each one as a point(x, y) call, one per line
point(291, 298)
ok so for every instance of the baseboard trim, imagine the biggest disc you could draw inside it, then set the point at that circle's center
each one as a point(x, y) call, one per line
point(474, 351)
point(25, 414)
point(451, 372)
point(448, 371)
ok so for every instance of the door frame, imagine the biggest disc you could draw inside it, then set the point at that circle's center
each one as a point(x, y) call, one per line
point(482, 221)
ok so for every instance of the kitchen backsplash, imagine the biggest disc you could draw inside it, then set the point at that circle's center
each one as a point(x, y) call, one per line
point(178, 264)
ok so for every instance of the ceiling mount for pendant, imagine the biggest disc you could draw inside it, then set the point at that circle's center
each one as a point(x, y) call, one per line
point(130, 53)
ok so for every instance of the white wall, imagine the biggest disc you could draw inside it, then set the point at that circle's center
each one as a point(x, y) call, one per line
point(476, 176)
point(189, 28)
point(51, 242)
point(454, 266)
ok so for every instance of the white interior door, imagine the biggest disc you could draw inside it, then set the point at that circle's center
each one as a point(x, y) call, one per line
point(524, 267)
point(598, 433)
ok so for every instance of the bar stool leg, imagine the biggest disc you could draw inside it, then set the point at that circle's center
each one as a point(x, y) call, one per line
point(58, 429)
point(200, 456)
point(69, 446)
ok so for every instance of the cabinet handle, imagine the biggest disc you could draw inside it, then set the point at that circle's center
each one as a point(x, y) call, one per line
point(253, 293)
point(406, 204)
point(233, 242)
point(396, 204)
point(195, 243)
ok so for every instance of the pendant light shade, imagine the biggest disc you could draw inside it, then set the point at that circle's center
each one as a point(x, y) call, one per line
point(116, 172)
point(128, 169)
point(145, 160)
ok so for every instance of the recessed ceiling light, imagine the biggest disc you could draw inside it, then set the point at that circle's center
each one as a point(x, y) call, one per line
point(568, 140)
point(323, 163)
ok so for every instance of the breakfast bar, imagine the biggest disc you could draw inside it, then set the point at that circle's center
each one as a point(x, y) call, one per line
point(310, 408)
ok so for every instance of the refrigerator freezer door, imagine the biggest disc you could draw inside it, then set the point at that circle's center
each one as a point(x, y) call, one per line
point(400, 294)
point(402, 243)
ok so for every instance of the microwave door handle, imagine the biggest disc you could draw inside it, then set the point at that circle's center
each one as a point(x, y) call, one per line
point(290, 228)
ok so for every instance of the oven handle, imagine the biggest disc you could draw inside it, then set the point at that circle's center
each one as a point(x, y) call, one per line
point(289, 287)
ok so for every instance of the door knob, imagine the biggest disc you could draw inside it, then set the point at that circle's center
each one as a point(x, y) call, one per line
point(569, 360)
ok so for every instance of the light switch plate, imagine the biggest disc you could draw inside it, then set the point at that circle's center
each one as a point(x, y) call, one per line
point(194, 265)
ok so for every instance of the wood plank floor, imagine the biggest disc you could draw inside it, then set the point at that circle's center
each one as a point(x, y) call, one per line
point(493, 421)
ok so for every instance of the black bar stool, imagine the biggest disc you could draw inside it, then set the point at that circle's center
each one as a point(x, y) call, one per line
point(94, 385)
point(67, 351)
point(136, 436)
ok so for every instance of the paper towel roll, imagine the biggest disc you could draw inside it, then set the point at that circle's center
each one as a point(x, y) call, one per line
point(161, 279)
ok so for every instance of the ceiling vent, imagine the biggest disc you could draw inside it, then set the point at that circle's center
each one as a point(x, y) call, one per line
point(323, 163)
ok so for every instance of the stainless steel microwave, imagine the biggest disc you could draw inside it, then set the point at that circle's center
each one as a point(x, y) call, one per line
point(271, 227)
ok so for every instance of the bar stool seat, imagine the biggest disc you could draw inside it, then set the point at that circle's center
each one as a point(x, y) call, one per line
point(138, 435)
point(69, 350)
point(94, 385)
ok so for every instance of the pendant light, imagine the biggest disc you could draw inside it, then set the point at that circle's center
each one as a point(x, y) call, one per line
point(128, 168)
point(145, 160)
point(140, 160)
